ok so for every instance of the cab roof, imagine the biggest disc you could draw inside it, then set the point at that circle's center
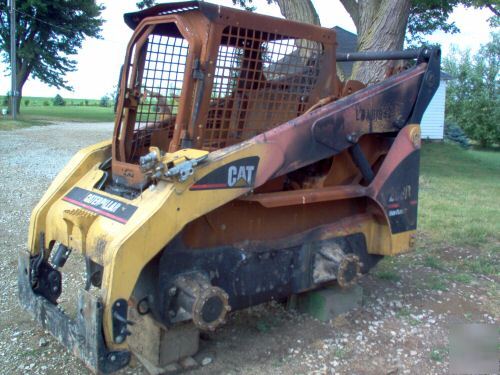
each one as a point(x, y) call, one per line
point(209, 10)
point(218, 13)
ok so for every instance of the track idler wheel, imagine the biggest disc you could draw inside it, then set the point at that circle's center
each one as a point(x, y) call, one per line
point(331, 263)
point(348, 271)
point(207, 304)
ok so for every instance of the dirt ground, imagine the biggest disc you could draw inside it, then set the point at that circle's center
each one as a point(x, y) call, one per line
point(402, 327)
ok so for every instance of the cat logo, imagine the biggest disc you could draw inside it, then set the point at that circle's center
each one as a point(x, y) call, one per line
point(241, 176)
point(237, 174)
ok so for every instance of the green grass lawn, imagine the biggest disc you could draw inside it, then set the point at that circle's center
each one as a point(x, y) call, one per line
point(69, 113)
point(39, 111)
point(459, 195)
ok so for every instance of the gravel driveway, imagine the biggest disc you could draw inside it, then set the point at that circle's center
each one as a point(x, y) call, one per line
point(29, 159)
point(402, 327)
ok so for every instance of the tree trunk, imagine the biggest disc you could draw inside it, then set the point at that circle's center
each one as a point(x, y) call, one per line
point(303, 11)
point(23, 72)
point(18, 102)
point(299, 10)
point(19, 98)
point(381, 27)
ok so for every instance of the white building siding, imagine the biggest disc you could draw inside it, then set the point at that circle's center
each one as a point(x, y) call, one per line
point(432, 125)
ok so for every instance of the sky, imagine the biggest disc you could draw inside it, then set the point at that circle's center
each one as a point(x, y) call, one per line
point(99, 61)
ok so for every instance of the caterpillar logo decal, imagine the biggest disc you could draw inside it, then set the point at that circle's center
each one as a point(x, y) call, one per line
point(235, 175)
point(100, 204)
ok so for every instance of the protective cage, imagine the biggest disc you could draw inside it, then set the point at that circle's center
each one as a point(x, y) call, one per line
point(156, 79)
point(196, 80)
point(162, 79)
point(261, 80)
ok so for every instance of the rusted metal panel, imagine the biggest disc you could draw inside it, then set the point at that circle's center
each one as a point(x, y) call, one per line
point(298, 197)
point(227, 16)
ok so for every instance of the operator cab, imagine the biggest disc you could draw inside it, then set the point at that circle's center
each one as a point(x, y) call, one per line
point(198, 75)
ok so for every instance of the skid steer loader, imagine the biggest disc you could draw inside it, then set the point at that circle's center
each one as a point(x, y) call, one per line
point(241, 170)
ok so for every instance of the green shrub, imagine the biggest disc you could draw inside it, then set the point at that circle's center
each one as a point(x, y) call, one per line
point(46, 103)
point(26, 102)
point(58, 100)
point(472, 96)
point(454, 134)
point(104, 102)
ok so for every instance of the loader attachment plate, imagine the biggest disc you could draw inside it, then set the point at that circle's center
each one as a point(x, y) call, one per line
point(83, 335)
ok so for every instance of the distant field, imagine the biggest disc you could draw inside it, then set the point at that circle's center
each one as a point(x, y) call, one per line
point(40, 110)
point(39, 101)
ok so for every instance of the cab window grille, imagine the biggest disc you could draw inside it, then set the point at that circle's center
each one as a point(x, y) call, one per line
point(160, 89)
point(261, 80)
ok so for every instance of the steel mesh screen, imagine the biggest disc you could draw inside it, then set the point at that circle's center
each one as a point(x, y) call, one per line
point(160, 88)
point(261, 80)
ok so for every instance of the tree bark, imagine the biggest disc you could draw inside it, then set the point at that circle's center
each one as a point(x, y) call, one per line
point(19, 98)
point(23, 72)
point(380, 24)
point(381, 27)
point(299, 10)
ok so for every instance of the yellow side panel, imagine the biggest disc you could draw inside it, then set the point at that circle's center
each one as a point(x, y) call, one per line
point(77, 167)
